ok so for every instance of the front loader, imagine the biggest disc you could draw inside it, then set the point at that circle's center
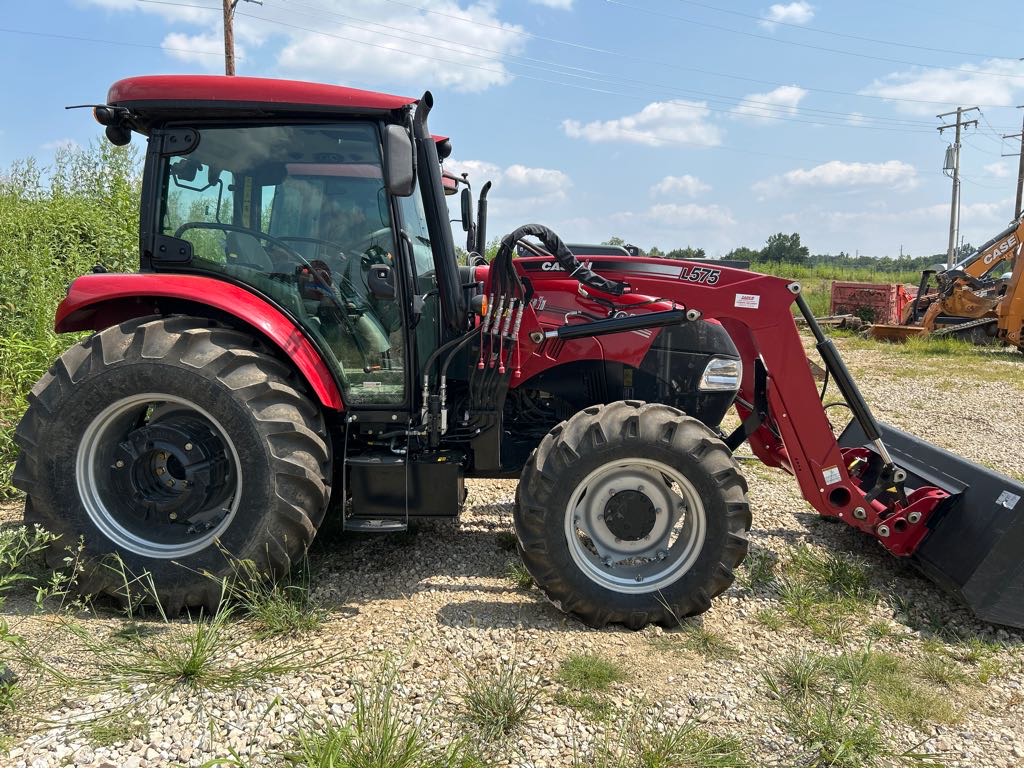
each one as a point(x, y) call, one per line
point(300, 341)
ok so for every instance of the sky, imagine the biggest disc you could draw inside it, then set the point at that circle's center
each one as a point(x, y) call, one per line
point(709, 123)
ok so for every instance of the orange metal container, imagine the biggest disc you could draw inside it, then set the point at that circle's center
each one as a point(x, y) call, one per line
point(872, 302)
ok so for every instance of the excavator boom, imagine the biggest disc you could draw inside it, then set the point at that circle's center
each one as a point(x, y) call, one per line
point(972, 298)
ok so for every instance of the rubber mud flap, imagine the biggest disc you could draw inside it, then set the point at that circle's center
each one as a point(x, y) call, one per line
point(975, 547)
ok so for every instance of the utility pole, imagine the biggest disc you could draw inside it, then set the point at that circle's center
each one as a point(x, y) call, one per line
point(229, 34)
point(1020, 167)
point(953, 164)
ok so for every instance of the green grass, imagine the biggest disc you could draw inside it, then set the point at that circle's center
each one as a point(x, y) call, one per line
point(55, 224)
point(277, 606)
point(594, 705)
point(507, 541)
point(18, 545)
point(758, 569)
point(379, 733)
point(499, 700)
point(838, 708)
point(942, 670)
point(816, 280)
point(9, 695)
point(645, 740)
point(693, 636)
point(825, 592)
point(518, 574)
point(110, 730)
point(590, 672)
point(770, 619)
point(155, 661)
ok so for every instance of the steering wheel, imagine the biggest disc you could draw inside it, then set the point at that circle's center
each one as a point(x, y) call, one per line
point(337, 248)
point(363, 244)
point(257, 234)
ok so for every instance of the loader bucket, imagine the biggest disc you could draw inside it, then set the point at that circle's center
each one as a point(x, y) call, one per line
point(890, 333)
point(975, 545)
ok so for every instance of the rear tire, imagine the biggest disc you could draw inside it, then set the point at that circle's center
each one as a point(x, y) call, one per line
point(179, 445)
point(632, 513)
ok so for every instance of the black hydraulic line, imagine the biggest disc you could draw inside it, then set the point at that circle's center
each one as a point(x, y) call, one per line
point(758, 409)
point(616, 325)
point(459, 343)
point(446, 347)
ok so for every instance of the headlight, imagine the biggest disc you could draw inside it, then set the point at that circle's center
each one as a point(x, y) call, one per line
point(722, 374)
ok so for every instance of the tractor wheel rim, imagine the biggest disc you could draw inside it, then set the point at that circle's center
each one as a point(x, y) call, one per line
point(635, 525)
point(158, 475)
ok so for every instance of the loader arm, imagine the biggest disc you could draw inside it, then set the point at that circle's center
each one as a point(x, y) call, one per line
point(780, 405)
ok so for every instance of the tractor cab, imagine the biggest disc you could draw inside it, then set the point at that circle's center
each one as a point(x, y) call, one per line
point(311, 201)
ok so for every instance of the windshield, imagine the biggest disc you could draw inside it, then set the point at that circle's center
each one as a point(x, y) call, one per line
point(301, 214)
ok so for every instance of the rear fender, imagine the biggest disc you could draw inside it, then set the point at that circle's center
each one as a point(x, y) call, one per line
point(95, 302)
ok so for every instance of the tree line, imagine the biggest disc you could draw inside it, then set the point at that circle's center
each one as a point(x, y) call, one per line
point(787, 248)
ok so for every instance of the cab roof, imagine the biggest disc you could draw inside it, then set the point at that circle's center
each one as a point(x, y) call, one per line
point(246, 94)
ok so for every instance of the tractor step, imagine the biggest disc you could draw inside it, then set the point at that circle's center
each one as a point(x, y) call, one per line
point(375, 525)
point(973, 548)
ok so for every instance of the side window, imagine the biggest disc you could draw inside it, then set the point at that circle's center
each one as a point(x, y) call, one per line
point(414, 225)
point(197, 205)
point(300, 213)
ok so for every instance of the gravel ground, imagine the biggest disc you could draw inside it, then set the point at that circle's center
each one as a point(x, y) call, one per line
point(439, 601)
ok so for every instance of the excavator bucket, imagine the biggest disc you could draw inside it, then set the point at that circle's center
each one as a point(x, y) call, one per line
point(892, 333)
point(975, 546)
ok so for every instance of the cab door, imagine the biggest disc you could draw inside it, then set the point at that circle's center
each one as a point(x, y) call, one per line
point(300, 214)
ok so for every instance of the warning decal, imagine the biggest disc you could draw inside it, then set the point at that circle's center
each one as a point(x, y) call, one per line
point(1008, 500)
point(751, 301)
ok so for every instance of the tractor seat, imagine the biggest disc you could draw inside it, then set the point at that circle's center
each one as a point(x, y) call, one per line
point(244, 250)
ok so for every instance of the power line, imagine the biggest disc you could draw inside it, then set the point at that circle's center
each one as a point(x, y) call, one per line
point(811, 46)
point(78, 38)
point(732, 110)
point(846, 35)
point(763, 109)
point(646, 60)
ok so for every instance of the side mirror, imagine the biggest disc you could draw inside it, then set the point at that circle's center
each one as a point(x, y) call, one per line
point(399, 169)
point(381, 281)
point(467, 209)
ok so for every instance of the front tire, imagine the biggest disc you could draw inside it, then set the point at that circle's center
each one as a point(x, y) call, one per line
point(179, 445)
point(632, 513)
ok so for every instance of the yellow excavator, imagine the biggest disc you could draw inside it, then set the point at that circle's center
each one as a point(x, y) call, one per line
point(980, 298)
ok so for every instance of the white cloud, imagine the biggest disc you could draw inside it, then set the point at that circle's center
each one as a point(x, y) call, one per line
point(922, 215)
point(998, 169)
point(765, 107)
point(994, 82)
point(798, 12)
point(519, 192)
point(349, 50)
point(352, 40)
point(680, 216)
point(204, 49)
point(515, 176)
point(562, 5)
point(856, 118)
point(545, 180)
point(841, 175)
point(656, 125)
point(688, 185)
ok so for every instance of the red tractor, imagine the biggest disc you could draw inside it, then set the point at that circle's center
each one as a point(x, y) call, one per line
point(301, 341)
